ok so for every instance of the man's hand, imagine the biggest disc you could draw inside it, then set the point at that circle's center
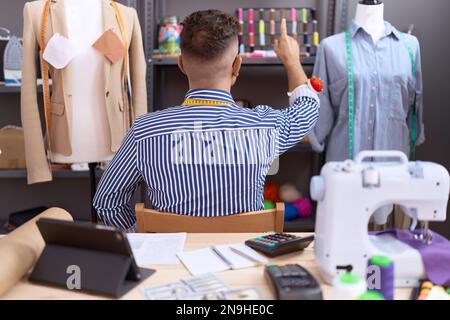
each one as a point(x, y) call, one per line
point(286, 47)
point(288, 51)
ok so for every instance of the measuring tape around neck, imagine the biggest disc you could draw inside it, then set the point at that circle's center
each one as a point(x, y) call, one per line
point(351, 96)
point(204, 102)
point(45, 65)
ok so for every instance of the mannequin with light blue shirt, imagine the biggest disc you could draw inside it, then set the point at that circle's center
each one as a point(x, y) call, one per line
point(385, 88)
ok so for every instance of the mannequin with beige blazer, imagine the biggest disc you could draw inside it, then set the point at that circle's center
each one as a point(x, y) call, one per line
point(91, 109)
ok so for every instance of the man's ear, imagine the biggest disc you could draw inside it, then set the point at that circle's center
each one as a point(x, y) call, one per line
point(237, 63)
point(181, 64)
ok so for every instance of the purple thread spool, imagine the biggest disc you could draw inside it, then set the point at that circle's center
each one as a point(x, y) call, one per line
point(386, 281)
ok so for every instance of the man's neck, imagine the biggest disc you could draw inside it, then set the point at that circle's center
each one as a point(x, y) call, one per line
point(210, 85)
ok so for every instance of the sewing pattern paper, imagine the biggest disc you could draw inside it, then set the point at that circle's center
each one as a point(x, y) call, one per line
point(110, 45)
point(59, 51)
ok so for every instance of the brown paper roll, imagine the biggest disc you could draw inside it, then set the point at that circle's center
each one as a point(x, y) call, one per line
point(20, 249)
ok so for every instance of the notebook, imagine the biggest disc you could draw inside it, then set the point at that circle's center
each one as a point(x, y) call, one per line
point(220, 258)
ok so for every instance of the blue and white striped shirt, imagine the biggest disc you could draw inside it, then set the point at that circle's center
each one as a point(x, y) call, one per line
point(202, 160)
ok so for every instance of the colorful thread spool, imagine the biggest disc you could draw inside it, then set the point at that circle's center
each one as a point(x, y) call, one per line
point(304, 207)
point(240, 16)
point(290, 212)
point(268, 205)
point(371, 295)
point(271, 192)
point(272, 26)
point(385, 274)
point(348, 286)
point(289, 193)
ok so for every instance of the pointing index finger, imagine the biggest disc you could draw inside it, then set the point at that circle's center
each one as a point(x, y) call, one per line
point(283, 28)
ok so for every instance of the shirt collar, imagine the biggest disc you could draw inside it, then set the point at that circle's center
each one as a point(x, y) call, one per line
point(210, 94)
point(389, 29)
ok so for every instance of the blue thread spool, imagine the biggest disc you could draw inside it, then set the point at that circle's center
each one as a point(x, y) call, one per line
point(386, 267)
point(290, 212)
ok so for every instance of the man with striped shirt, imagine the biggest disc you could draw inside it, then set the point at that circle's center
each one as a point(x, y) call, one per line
point(208, 157)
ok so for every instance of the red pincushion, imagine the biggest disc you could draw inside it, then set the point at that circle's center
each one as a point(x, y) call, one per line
point(317, 84)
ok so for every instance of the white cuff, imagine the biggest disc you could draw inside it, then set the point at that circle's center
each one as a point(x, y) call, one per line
point(302, 91)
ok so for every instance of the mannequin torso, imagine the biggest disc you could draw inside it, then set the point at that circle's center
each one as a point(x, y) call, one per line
point(90, 131)
point(371, 18)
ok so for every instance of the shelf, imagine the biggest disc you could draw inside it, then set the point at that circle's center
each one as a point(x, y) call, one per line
point(247, 61)
point(57, 174)
point(15, 89)
point(9, 89)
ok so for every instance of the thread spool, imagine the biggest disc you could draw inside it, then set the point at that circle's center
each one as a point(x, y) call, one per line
point(348, 286)
point(371, 295)
point(251, 30)
point(268, 205)
point(262, 29)
point(240, 16)
point(304, 15)
point(289, 193)
point(294, 22)
point(271, 192)
point(316, 38)
point(304, 207)
point(386, 274)
point(290, 212)
point(272, 26)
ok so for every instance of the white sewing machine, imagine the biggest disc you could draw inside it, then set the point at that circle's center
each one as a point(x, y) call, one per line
point(349, 193)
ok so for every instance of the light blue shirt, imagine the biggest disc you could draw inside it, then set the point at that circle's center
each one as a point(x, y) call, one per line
point(384, 93)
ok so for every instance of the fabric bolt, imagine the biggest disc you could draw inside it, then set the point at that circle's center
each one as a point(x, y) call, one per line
point(384, 93)
point(202, 161)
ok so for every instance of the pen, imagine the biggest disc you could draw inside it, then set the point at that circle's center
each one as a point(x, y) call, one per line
point(222, 257)
point(246, 256)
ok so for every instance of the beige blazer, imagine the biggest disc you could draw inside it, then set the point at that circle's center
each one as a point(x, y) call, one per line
point(117, 103)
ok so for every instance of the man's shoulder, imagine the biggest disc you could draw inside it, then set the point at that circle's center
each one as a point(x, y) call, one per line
point(146, 124)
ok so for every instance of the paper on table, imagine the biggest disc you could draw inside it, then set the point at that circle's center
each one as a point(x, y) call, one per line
point(202, 261)
point(207, 261)
point(155, 248)
point(59, 51)
point(241, 261)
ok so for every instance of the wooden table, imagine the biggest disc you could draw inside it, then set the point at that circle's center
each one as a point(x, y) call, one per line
point(244, 278)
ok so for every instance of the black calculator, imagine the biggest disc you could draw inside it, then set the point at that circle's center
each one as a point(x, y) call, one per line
point(276, 244)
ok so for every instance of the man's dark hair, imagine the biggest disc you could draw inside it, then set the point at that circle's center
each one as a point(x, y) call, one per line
point(207, 34)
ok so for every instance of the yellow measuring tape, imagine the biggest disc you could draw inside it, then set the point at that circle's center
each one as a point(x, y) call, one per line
point(45, 66)
point(201, 102)
point(45, 69)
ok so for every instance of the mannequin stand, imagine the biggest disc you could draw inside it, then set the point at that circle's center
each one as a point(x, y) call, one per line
point(93, 183)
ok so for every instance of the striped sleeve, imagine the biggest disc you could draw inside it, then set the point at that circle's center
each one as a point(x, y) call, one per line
point(117, 186)
point(296, 121)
